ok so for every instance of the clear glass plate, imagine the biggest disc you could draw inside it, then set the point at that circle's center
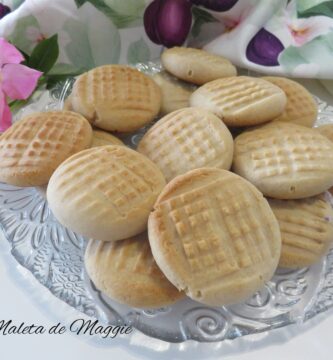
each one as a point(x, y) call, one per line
point(54, 255)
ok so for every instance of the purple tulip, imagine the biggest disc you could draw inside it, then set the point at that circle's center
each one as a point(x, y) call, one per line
point(215, 5)
point(168, 22)
point(264, 48)
point(4, 10)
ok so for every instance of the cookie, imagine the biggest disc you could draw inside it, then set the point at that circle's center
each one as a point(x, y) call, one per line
point(175, 96)
point(68, 104)
point(326, 130)
point(32, 148)
point(285, 161)
point(301, 107)
point(306, 227)
point(101, 138)
point(188, 139)
point(241, 100)
point(127, 272)
point(196, 66)
point(116, 98)
point(105, 193)
point(214, 236)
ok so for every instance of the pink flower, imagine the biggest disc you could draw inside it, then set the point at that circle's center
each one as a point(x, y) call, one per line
point(17, 81)
point(303, 30)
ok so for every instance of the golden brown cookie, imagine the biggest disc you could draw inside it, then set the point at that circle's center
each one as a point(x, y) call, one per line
point(214, 236)
point(101, 138)
point(116, 98)
point(241, 100)
point(175, 96)
point(105, 193)
point(127, 272)
point(301, 107)
point(285, 161)
point(68, 104)
point(306, 227)
point(32, 148)
point(188, 139)
point(326, 130)
point(195, 65)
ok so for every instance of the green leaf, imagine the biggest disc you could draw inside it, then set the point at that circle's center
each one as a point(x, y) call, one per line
point(304, 5)
point(65, 69)
point(45, 54)
point(26, 57)
point(92, 43)
point(133, 8)
point(16, 3)
point(79, 3)
point(324, 8)
point(19, 36)
point(200, 17)
point(138, 51)
point(317, 52)
point(121, 20)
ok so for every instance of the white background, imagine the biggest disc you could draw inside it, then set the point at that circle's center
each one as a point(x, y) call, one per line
point(24, 300)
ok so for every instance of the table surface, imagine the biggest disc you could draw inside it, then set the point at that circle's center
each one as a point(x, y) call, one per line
point(23, 299)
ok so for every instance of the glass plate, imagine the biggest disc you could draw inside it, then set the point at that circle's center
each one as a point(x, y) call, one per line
point(54, 255)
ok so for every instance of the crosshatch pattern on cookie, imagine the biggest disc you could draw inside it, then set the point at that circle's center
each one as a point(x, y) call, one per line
point(306, 225)
point(274, 152)
point(132, 256)
point(121, 184)
point(183, 140)
point(42, 138)
point(301, 107)
point(219, 237)
point(326, 130)
point(236, 93)
point(118, 85)
point(200, 56)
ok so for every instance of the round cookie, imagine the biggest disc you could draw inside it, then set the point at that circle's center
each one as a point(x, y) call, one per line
point(326, 130)
point(195, 65)
point(301, 107)
point(116, 98)
point(127, 272)
point(101, 138)
point(67, 106)
point(188, 139)
point(306, 227)
point(214, 236)
point(32, 148)
point(175, 96)
point(285, 161)
point(241, 100)
point(105, 193)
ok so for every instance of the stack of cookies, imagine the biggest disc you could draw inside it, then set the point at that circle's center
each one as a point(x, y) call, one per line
point(194, 211)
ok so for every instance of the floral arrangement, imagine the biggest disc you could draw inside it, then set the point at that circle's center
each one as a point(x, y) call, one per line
point(17, 81)
point(22, 74)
